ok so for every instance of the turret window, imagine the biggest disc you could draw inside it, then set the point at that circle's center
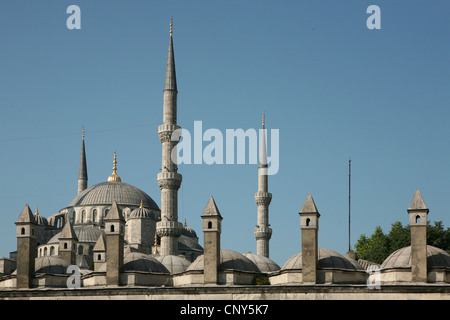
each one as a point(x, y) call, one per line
point(209, 225)
point(112, 228)
point(308, 222)
point(417, 219)
point(22, 231)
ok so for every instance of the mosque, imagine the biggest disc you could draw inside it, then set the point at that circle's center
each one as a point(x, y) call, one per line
point(119, 238)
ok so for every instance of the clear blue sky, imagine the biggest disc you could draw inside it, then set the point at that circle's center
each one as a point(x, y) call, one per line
point(334, 89)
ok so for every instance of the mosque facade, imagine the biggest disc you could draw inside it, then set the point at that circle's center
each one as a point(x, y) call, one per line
point(118, 237)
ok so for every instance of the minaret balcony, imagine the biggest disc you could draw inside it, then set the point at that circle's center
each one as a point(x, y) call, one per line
point(263, 233)
point(165, 132)
point(169, 180)
point(169, 228)
point(263, 198)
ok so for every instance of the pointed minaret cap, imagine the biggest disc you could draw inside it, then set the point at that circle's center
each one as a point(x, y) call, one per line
point(211, 209)
point(417, 202)
point(171, 78)
point(115, 213)
point(100, 244)
point(68, 232)
point(26, 216)
point(309, 206)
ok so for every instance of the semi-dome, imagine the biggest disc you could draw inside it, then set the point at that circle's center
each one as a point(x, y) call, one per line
point(401, 258)
point(106, 192)
point(175, 264)
point(328, 259)
point(136, 261)
point(40, 220)
point(264, 264)
point(50, 264)
point(229, 260)
point(84, 234)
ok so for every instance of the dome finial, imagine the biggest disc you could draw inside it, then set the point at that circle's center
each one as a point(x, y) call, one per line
point(155, 250)
point(37, 210)
point(114, 177)
point(142, 204)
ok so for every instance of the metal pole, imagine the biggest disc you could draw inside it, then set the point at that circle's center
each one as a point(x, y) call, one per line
point(349, 195)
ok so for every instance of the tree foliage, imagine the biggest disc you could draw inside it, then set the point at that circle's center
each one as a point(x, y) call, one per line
point(379, 246)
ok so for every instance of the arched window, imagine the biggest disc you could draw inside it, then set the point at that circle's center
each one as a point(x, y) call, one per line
point(83, 216)
point(112, 228)
point(22, 231)
point(99, 257)
point(65, 245)
point(417, 219)
point(52, 250)
point(75, 216)
point(308, 222)
point(209, 225)
point(45, 251)
point(94, 213)
point(80, 249)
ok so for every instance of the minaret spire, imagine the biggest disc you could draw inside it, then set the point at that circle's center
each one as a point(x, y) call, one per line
point(82, 172)
point(263, 232)
point(169, 180)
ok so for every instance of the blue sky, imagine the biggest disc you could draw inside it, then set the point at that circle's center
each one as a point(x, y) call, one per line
point(334, 89)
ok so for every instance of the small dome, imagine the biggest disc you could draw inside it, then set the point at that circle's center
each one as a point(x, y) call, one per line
point(328, 259)
point(142, 213)
point(188, 244)
point(229, 260)
point(50, 264)
point(136, 261)
point(40, 220)
point(84, 234)
point(189, 232)
point(401, 258)
point(264, 264)
point(175, 264)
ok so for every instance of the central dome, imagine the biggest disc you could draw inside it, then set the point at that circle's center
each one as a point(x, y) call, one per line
point(106, 192)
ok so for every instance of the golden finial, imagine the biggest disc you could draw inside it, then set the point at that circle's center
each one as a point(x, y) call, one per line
point(114, 177)
point(171, 25)
point(142, 204)
point(185, 224)
point(83, 133)
point(155, 250)
point(37, 211)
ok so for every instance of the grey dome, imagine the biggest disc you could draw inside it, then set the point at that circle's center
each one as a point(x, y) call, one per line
point(229, 260)
point(50, 264)
point(188, 244)
point(175, 264)
point(40, 220)
point(328, 259)
point(189, 232)
point(136, 261)
point(401, 258)
point(106, 192)
point(84, 234)
point(264, 264)
point(142, 213)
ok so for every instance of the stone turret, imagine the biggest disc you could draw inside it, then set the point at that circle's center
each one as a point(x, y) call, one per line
point(212, 227)
point(169, 180)
point(418, 212)
point(309, 224)
point(263, 232)
point(68, 241)
point(26, 247)
point(99, 253)
point(114, 230)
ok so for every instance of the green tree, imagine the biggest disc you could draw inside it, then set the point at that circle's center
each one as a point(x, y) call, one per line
point(379, 246)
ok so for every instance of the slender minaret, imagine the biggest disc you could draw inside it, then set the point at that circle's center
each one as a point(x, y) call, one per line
point(262, 198)
point(82, 172)
point(418, 212)
point(169, 180)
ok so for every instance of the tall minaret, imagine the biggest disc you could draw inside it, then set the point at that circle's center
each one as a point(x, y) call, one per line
point(262, 231)
point(169, 181)
point(82, 172)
